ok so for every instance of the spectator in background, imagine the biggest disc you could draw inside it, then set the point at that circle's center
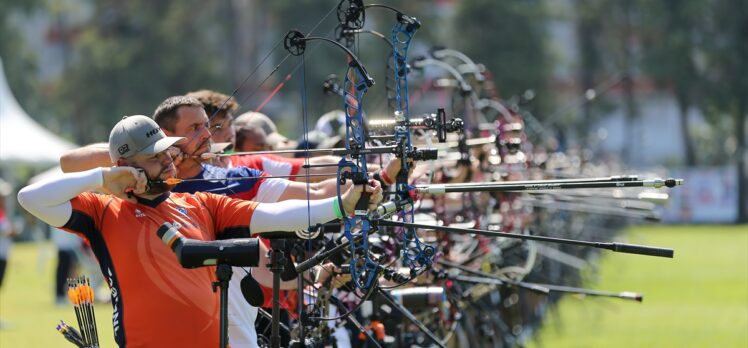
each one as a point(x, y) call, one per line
point(66, 244)
point(255, 120)
point(7, 232)
point(256, 132)
point(331, 124)
point(251, 139)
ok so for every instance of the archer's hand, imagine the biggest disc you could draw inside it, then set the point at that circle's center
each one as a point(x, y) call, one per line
point(394, 165)
point(329, 272)
point(120, 181)
point(177, 155)
point(350, 197)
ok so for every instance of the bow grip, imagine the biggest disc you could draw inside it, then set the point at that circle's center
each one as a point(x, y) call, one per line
point(362, 206)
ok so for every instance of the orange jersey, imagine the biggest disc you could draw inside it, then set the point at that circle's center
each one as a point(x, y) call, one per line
point(156, 302)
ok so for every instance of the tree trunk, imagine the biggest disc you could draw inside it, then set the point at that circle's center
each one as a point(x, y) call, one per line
point(741, 94)
point(632, 146)
point(687, 144)
point(627, 63)
point(231, 44)
point(586, 75)
point(742, 164)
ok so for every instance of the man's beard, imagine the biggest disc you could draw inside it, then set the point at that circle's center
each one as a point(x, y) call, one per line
point(158, 186)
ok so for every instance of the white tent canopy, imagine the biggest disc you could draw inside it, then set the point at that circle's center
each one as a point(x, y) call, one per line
point(21, 138)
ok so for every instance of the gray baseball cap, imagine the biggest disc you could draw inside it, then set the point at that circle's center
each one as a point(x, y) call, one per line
point(253, 119)
point(135, 135)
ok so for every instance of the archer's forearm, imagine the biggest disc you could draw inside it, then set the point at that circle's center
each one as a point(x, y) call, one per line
point(49, 200)
point(292, 215)
point(85, 158)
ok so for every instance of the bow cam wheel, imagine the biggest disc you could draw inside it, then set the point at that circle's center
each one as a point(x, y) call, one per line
point(294, 42)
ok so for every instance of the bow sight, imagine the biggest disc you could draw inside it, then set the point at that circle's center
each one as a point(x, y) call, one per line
point(435, 122)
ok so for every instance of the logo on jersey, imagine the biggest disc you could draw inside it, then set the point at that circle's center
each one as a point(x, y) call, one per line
point(115, 300)
point(139, 214)
point(182, 210)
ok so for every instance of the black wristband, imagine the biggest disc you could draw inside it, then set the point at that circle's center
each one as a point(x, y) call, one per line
point(378, 177)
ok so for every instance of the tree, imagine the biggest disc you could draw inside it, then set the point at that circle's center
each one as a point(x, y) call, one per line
point(605, 61)
point(726, 62)
point(672, 31)
point(19, 62)
point(133, 54)
point(509, 38)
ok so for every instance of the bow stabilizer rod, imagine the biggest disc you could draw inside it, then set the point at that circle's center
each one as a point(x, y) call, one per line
point(543, 185)
point(617, 247)
point(485, 277)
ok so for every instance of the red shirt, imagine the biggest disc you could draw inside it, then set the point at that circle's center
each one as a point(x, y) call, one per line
point(271, 164)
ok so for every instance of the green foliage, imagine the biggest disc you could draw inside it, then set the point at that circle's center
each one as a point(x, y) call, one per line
point(726, 59)
point(672, 34)
point(19, 62)
point(509, 38)
point(698, 49)
point(725, 64)
point(133, 54)
point(604, 60)
point(130, 55)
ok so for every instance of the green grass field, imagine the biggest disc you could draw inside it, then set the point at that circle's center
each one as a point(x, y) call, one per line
point(27, 302)
point(697, 299)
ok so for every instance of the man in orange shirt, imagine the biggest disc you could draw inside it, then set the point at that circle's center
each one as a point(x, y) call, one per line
point(186, 117)
point(157, 303)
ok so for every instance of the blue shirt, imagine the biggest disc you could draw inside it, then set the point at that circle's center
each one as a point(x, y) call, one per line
point(244, 188)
